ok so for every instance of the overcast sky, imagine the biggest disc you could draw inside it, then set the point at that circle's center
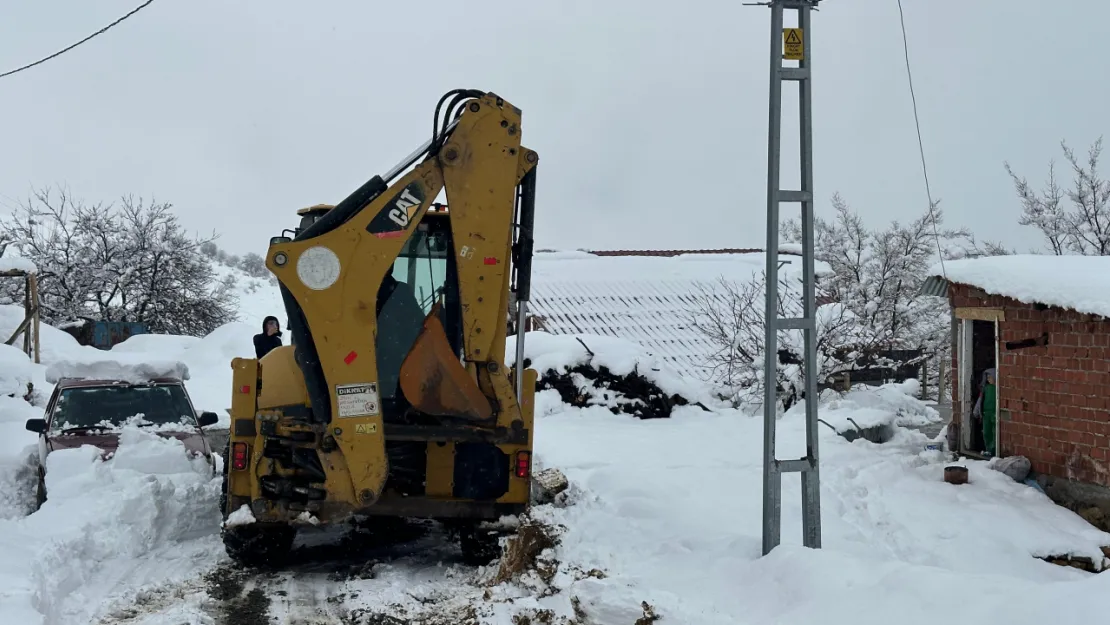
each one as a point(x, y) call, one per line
point(650, 117)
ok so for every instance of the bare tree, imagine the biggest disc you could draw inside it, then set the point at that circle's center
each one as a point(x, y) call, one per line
point(133, 262)
point(731, 316)
point(1085, 227)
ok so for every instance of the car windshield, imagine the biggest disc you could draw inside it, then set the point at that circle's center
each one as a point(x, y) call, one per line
point(112, 406)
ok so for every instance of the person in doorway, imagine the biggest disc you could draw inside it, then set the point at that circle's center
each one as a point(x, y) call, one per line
point(269, 338)
point(986, 407)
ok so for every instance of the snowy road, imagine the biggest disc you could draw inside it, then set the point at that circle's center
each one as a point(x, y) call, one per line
point(413, 571)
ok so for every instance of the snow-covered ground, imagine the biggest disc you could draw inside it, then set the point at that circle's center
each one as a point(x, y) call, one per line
point(662, 511)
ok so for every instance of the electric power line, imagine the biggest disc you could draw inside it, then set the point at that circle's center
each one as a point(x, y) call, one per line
point(64, 50)
point(920, 144)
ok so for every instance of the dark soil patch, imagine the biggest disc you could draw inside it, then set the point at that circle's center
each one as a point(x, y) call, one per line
point(522, 549)
point(631, 394)
point(226, 585)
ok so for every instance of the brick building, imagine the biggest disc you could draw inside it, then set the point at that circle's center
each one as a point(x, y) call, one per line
point(1044, 323)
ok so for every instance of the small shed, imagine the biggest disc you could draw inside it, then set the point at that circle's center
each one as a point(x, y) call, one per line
point(1043, 322)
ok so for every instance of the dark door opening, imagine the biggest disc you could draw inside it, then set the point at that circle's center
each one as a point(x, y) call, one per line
point(980, 345)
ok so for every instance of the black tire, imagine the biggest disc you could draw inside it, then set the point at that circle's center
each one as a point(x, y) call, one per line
point(479, 546)
point(40, 492)
point(258, 544)
point(223, 487)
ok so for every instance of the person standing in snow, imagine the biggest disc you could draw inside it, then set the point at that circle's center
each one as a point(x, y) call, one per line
point(269, 338)
point(986, 408)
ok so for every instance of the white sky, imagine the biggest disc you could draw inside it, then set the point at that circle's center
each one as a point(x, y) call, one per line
point(650, 118)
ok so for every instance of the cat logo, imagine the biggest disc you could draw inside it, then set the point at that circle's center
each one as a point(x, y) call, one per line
point(366, 428)
point(394, 218)
point(403, 208)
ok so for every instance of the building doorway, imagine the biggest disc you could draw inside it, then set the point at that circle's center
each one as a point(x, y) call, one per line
point(978, 343)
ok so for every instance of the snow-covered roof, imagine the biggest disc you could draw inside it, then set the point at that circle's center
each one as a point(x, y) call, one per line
point(11, 262)
point(1080, 283)
point(640, 298)
point(134, 368)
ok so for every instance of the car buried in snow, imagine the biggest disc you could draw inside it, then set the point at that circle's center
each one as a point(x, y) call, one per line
point(94, 410)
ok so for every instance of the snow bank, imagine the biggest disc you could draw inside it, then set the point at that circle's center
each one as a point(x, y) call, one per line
point(108, 528)
point(210, 361)
point(54, 343)
point(15, 371)
point(889, 404)
point(1081, 283)
point(155, 343)
point(560, 353)
point(18, 457)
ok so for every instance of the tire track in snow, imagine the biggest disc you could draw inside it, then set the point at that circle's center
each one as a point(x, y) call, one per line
point(392, 576)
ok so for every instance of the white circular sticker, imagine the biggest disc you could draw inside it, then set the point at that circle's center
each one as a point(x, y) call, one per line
point(318, 268)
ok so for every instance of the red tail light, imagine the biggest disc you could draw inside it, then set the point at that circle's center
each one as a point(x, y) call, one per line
point(239, 456)
point(523, 463)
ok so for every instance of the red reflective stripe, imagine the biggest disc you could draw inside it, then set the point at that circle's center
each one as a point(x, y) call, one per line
point(350, 358)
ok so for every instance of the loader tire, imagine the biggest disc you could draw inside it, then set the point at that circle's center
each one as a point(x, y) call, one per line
point(479, 547)
point(223, 487)
point(259, 544)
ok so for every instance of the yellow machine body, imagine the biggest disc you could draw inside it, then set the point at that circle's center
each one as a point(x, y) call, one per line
point(380, 406)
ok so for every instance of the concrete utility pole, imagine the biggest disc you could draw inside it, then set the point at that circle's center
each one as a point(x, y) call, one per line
point(792, 44)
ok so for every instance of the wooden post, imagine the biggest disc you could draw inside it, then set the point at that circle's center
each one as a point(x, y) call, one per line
point(33, 281)
point(925, 378)
point(27, 313)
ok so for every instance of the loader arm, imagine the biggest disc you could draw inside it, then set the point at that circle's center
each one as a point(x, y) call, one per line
point(330, 275)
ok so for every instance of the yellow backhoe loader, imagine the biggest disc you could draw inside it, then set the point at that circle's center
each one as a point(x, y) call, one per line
point(393, 399)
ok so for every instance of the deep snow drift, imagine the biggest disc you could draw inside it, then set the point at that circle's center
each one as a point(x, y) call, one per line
point(107, 529)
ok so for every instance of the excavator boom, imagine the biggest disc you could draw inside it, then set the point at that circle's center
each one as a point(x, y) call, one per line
point(394, 398)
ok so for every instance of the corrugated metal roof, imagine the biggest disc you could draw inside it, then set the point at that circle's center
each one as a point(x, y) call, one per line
point(673, 253)
point(640, 297)
point(653, 314)
point(935, 286)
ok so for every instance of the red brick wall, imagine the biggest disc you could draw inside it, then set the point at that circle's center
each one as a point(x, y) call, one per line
point(1058, 395)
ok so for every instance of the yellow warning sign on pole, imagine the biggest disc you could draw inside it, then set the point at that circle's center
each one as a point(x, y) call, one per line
point(792, 44)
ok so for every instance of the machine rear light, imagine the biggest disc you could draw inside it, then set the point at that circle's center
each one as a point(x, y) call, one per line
point(523, 463)
point(239, 456)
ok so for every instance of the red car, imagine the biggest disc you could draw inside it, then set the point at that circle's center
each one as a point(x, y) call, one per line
point(90, 412)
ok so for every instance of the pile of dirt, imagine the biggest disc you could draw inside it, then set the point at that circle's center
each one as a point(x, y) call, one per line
point(633, 394)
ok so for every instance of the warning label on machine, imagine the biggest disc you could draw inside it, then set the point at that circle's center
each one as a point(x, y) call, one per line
point(357, 400)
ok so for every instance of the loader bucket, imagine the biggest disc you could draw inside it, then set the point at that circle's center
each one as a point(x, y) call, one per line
point(435, 382)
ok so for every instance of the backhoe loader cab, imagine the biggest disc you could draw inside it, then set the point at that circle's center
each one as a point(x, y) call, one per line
point(393, 399)
point(310, 214)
